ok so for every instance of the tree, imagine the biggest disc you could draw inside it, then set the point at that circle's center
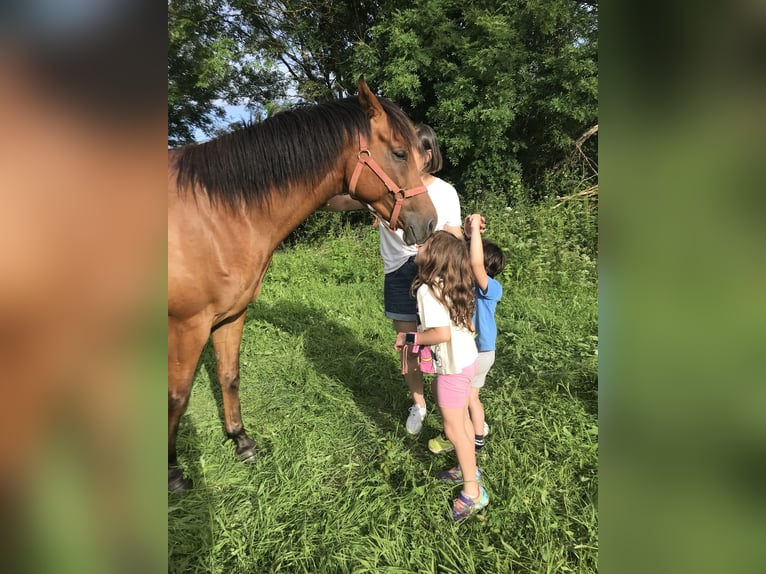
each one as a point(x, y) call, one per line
point(198, 65)
point(209, 65)
point(508, 85)
point(313, 41)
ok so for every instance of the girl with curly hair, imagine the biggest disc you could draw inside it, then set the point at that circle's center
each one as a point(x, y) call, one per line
point(444, 288)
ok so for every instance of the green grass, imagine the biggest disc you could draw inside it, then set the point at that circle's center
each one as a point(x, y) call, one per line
point(341, 486)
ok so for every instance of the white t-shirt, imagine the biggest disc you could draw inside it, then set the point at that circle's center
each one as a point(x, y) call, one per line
point(394, 251)
point(455, 355)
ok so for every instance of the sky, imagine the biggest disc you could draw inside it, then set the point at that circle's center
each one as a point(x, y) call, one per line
point(233, 114)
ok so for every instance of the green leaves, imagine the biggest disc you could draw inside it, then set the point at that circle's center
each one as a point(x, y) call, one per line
point(200, 51)
point(508, 85)
point(511, 80)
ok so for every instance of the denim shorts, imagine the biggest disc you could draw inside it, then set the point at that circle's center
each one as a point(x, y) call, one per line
point(399, 304)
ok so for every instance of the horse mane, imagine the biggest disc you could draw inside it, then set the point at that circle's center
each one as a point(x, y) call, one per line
point(296, 146)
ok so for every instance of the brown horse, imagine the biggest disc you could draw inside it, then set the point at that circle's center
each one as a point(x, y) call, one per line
point(232, 200)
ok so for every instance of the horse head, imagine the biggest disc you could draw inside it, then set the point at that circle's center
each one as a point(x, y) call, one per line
point(392, 184)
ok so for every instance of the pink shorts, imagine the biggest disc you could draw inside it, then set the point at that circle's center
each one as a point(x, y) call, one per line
point(452, 391)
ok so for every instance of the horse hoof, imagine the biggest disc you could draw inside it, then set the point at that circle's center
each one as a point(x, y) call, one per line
point(248, 455)
point(177, 482)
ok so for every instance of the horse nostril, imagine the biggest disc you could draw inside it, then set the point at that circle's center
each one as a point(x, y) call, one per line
point(431, 225)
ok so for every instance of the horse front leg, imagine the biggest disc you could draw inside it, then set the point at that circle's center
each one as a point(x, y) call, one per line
point(185, 343)
point(226, 344)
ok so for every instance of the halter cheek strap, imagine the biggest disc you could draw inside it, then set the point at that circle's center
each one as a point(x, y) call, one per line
point(364, 157)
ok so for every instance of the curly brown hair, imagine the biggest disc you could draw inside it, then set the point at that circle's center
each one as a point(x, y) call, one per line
point(445, 266)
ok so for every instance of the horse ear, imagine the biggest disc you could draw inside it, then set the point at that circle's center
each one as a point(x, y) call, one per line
point(368, 101)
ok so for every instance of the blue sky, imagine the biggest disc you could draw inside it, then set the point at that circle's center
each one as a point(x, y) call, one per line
point(233, 114)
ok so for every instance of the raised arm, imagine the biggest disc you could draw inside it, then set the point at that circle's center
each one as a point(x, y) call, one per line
point(474, 222)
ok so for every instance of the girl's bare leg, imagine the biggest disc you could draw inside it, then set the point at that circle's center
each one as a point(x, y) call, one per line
point(456, 427)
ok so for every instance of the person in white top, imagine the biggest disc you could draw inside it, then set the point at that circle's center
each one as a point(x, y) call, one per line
point(446, 302)
point(399, 259)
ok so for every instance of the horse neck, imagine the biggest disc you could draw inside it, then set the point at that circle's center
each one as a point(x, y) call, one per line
point(294, 206)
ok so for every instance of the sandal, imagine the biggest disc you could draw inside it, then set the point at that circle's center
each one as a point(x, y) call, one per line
point(454, 474)
point(464, 506)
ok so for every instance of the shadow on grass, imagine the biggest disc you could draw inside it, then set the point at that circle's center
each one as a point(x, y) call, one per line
point(336, 351)
point(363, 366)
point(189, 534)
point(208, 362)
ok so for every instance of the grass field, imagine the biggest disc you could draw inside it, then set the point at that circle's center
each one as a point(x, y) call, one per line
point(341, 486)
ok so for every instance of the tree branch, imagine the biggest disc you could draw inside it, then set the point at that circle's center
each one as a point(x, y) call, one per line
point(588, 133)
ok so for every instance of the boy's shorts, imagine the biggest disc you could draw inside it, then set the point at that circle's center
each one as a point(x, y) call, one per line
point(399, 304)
point(486, 360)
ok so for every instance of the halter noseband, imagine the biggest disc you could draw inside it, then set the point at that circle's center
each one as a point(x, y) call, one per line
point(365, 158)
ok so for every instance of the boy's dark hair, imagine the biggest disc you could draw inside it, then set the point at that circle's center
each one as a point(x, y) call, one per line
point(427, 137)
point(494, 258)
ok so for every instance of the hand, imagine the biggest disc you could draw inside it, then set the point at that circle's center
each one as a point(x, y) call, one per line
point(468, 224)
point(475, 222)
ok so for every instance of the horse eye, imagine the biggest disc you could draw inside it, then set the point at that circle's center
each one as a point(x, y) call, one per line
point(401, 154)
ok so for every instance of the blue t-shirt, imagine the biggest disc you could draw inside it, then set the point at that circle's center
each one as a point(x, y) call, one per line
point(484, 316)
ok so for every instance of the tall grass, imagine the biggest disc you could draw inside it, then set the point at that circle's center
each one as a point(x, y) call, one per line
point(341, 486)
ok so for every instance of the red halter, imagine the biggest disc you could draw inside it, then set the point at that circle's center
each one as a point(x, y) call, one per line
point(399, 193)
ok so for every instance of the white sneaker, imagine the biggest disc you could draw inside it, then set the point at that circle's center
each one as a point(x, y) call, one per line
point(415, 420)
point(486, 429)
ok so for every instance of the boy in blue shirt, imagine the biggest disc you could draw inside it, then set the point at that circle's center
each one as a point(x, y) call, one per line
point(487, 261)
